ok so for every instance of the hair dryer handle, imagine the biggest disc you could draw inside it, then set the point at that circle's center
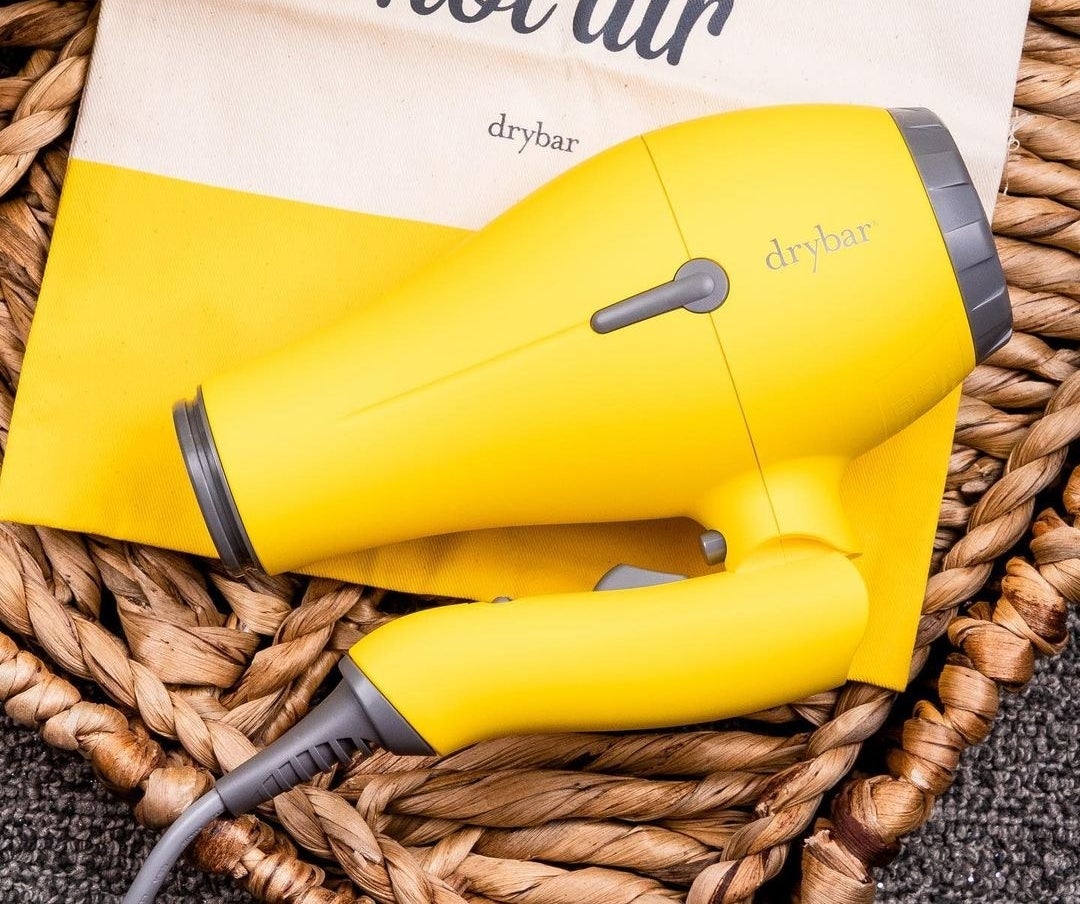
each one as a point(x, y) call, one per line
point(694, 650)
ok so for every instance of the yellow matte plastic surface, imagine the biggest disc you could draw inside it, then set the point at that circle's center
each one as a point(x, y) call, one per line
point(476, 395)
point(835, 350)
point(687, 652)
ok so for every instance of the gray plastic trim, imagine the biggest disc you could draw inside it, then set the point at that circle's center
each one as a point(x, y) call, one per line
point(713, 546)
point(171, 845)
point(392, 731)
point(627, 577)
point(212, 488)
point(352, 716)
point(963, 225)
point(700, 285)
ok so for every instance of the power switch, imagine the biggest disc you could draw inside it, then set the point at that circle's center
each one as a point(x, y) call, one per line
point(699, 286)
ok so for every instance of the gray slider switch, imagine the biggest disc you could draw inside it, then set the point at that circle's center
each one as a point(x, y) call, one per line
point(700, 286)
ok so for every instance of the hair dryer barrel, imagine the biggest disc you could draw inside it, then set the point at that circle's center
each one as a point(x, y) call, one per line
point(554, 370)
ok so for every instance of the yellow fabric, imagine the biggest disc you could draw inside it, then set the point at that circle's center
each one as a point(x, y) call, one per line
point(155, 283)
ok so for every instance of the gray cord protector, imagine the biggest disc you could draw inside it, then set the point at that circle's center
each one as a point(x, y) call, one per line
point(353, 714)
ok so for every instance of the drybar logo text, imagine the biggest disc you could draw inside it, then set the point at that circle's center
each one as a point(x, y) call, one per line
point(818, 246)
point(616, 24)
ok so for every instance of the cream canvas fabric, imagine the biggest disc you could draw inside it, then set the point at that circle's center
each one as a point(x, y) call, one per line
point(388, 107)
point(246, 171)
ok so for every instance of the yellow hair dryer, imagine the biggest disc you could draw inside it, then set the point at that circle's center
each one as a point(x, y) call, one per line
point(711, 320)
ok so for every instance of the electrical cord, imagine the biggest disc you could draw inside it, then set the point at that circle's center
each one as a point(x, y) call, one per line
point(353, 714)
point(171, 845)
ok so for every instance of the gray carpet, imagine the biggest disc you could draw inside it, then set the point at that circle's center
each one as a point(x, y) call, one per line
point(1008, 832)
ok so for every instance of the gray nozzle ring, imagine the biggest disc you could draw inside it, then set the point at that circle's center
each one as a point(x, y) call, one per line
point(211, 488)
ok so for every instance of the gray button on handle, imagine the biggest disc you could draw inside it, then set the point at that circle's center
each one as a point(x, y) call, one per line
point(626, 577)
point(700, 285)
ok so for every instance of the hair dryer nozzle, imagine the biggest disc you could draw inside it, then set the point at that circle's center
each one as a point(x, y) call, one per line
point(211, 488)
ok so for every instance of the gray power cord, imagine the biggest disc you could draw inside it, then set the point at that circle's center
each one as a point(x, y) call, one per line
point(354, 714)
point(171, 845)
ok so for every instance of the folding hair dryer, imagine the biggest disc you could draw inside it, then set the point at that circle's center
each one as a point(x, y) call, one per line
point(711, 320)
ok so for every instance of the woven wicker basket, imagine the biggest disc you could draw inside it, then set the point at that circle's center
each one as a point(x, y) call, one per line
point(705, 816)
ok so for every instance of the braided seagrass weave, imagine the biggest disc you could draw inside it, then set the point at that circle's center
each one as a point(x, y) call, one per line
point(704, 816)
